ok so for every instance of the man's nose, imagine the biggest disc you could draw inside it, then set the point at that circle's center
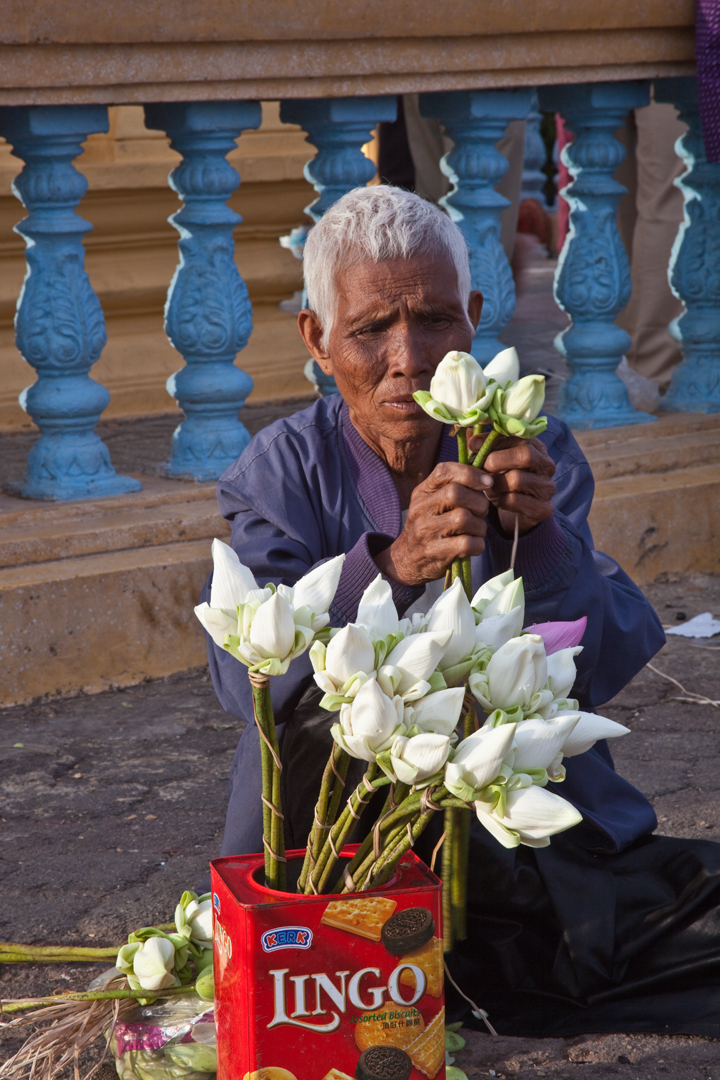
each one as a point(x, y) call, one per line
point(408, 354)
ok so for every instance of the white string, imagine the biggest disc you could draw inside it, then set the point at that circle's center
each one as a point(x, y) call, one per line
point(515, 541)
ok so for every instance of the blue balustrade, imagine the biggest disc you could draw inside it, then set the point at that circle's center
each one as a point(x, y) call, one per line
point(533, 178)
point(208, 316)
point(694, 270)
point(59, 326)
point(338, 128)
point(592, 282)
point(475, 121)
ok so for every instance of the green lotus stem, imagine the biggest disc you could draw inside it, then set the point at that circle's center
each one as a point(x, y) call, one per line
point(485, 449)
point(464, 564)
point(49, 952)
point(324, 815)
point(273, 831)
point(448, 863)
point(395, 800)
point(458, 879)
point(389, 861)
point(20, 1004)
point(342, 828)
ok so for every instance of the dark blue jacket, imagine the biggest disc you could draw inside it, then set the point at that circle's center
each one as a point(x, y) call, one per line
point(308, 488)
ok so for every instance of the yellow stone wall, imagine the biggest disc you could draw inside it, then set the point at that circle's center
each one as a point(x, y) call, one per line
point(132, 255)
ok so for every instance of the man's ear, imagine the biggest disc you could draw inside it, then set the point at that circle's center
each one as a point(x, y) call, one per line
point(312, 334)
point(475, 304)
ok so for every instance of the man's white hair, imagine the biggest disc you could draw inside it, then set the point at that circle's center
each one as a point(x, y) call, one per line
point(376, 223)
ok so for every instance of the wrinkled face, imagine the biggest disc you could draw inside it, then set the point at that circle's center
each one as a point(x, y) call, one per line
point(395, 322)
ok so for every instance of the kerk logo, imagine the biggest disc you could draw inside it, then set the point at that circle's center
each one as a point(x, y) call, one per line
point(287, 937)
point(216, 902)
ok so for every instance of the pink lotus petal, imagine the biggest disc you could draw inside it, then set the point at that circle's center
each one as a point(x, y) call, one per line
point(559, 635)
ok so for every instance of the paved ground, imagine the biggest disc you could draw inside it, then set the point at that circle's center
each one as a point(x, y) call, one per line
point(112, 804)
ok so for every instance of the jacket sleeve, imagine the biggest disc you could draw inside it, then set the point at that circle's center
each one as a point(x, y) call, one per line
point(566, 578)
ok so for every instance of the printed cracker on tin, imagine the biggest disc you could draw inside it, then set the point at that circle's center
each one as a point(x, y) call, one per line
point(428, 1050)
point(336, 1074)
point(362, 917)
point(396, 1025)
point(429, 958)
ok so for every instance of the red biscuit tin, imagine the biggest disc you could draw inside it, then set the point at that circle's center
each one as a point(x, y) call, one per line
point(305, 985)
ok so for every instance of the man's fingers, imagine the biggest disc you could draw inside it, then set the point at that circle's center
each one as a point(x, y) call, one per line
point(452, 472)
point(540, 487)
point(532, 511)
point(529, 455)
point(462, 522)
point(452, 496)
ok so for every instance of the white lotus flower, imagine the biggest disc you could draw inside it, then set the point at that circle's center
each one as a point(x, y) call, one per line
point(588, 730)
point(477, 760)
point(532, 815)
point(504, 367)
point(490, 588)
point(561, 671)
point(369, 725)
point(494, 631)
point(376, 611)
point(509, 598)
point(438, 713)
point(514, 675)
point(199, 917)
point(266, 628)
point(452, 611)
point(538, 744)
point(149, 965)
point(525, 399)
point(459, 391)
point(411, 663)
point(272, 631)
point(417, 759)
point(345, 663)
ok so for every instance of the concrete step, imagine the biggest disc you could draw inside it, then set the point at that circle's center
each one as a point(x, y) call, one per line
point(674, 441)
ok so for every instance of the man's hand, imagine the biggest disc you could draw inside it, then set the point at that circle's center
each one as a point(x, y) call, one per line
point(445, 521)
point(521, 470)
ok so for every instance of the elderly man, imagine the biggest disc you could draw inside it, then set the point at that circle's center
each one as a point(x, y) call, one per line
point(368, 473)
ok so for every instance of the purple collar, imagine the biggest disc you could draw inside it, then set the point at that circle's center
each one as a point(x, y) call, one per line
point(373, 479)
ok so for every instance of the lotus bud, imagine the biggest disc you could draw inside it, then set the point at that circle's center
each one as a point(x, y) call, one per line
point(525, 399)
point(515, 673)
point(562, 672)
point(438, 713)
point(452, 612)
point(494, 631)
point(503, 368)
point(458, 382)
point(588, 730)
point(490, 588)
point(150, 965)
point(511, 597)
point(538, 743)
point(376, 610)
point(368, 726)
point(416, 657)
point(272, 632)
point(477, 761)
point(532, 815)
point(417, 759)
point(349, 652)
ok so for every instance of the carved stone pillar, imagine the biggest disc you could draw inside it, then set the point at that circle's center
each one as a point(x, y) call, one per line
point(533, 178)
point(59, 326)
point(475, 121)
point(592, 282)
point(338, 128)
point(694, 270)
point(208, 317)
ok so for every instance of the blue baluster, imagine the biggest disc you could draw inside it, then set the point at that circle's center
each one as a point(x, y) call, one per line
point(533, 178)
point(476, 120)
point(338, 128)
point(694, 269)
point(208, 317)
point(59, 326)
point(592, 281)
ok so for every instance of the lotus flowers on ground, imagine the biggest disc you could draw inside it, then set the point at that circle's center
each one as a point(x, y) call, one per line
point(149, 965)
point(267, 627)
point(194, 918)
